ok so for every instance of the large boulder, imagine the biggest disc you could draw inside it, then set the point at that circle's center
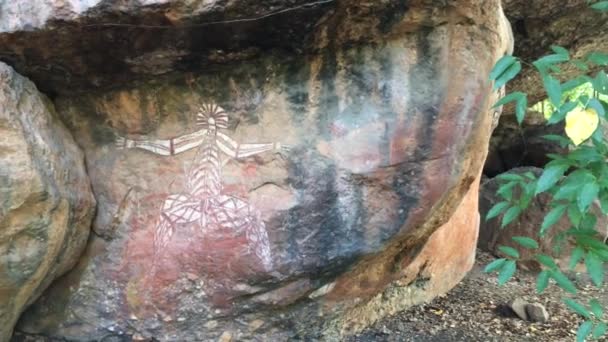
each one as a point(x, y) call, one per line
point(46, 203)
point(300, 191)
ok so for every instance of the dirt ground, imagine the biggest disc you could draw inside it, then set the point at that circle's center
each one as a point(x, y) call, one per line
point(476, 310)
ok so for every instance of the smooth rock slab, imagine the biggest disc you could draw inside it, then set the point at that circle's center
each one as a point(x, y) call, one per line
point(46, 203)
point(315, 192)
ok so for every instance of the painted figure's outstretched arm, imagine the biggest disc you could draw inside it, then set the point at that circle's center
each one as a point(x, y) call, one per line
point(167, 147)
point(236, 150)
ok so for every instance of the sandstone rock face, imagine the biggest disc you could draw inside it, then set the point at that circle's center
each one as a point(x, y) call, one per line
point(87, 44)
point(46, 203)
point(282, 195)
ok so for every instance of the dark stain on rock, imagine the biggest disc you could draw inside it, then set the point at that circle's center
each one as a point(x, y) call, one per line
point(20, 264)
point(328, 108)
point(5, 188)
point(297, 79)
point(387, 112)
point(102, 134)
point(392, 14)
point(429, 91)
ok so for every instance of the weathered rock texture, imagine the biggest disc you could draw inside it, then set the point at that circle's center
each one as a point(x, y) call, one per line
point(336, 183)
point(539, 24)
point(79, 45)
point(46, 203)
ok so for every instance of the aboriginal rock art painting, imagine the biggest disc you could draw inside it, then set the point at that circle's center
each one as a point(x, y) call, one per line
point(204, 202)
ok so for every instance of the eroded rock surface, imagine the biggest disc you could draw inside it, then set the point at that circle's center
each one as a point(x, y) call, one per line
point(81, 45)
point(46, 203)
point(313, 191)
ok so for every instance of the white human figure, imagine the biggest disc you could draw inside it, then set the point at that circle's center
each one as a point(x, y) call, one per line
point(204, 202)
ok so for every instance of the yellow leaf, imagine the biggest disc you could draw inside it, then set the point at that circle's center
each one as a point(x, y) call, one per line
point(580, 124)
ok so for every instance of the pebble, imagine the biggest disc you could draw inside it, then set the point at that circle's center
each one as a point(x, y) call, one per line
point(537, 312)
point(211, 324)
point(255, 325)
point(519, 307)
point(226, 337)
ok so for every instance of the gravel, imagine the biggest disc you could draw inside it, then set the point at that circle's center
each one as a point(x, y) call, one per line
point(478, 310)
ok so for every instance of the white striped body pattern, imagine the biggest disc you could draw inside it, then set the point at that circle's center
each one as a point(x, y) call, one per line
point(204, 202)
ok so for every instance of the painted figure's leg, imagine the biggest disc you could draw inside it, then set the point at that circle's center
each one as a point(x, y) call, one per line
point(231, 212)
point(236, 214)
point(177, 209)
point(258, 240)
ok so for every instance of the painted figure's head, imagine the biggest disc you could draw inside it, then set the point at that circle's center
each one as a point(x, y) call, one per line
point(212, 117)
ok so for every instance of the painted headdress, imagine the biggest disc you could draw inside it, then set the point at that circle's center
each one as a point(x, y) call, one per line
point(212, 114)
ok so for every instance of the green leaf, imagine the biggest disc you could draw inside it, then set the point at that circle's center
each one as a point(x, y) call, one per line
point(530, 175)
point(604, 204)
point(521, 107)
point(561, 140)
point(587, 196)
point(560, 114)
point(602, 254)
point(596, 308)
point(574, 215)
point(506, 190)
point(597, 106)
point(583, 331)
point(580, 65)
point(525, 241)
point(510, 177)
point(554, 90)
point(512, 252)
point(542, 281)
point(567, 191)
point(588, 239)
point(527, 195)
point(576, 82)
point(508, 75)
point(510, 215)
point(575, 257)
point(501, 66)
point(552, 217)
point(599, 330)
point(600, 83)
point(494, 265)
point(520, 110)
point(588, 222)
point(550, 176)
point(563, 281)
point(546, 260)
point(548, 62)
point(507, 271)
point(598, 58)
point(577, 307)
point(595, 268)
point(584, 155)
point(560, 51)
point(515, 96)
point(497, 209)
point(600, 6)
